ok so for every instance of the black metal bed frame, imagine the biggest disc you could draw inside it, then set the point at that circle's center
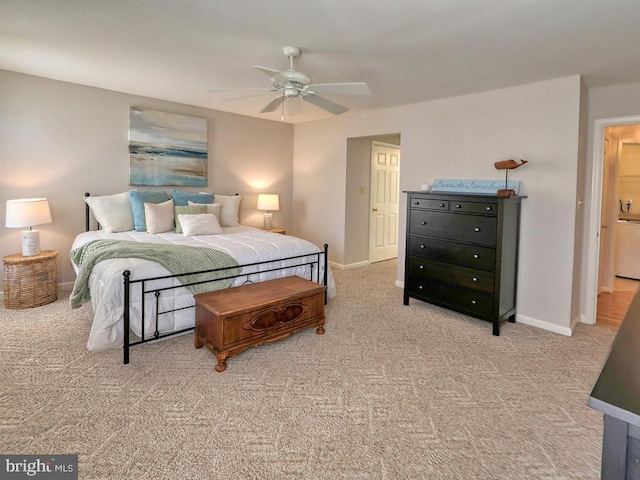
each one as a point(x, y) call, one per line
point(312, 260)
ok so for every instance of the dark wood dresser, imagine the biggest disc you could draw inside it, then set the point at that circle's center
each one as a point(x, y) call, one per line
point(617, 395)
point(462, 253)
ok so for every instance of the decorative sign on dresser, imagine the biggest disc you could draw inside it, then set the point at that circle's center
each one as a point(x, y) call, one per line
point(462, 253)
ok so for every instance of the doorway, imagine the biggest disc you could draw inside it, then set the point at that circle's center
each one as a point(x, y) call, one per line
point(603, 213)
point(358, 197)
point(619, 264)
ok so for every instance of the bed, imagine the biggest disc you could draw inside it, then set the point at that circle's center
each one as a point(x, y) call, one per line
point(137, 300)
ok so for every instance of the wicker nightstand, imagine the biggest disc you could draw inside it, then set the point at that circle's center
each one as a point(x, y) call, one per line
point(277, 230)
point(30, 281)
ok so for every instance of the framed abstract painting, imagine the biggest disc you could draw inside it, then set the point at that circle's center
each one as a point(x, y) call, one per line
point(167, 149)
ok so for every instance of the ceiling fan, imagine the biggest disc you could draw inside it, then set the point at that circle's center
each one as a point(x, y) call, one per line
point(292, 84)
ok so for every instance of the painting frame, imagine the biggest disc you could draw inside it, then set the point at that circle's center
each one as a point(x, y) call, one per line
point(167, 149)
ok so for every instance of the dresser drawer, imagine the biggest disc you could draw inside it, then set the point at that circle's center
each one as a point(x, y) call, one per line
point(430, 204)
point(474, 303)
point(453, 252)
point(457, 275)
point(488, 208)
point(451, 226)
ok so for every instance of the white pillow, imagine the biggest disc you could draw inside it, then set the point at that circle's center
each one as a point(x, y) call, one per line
point(230, 209)
point(113, 212)
point(214, 208)
point(159, 216)
point(199, 224)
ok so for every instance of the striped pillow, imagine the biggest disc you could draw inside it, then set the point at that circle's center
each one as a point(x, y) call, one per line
point(192, 209)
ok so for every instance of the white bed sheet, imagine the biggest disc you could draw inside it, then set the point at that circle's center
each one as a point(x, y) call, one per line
point(245, 244)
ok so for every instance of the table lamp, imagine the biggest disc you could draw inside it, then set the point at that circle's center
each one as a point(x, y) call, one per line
point(27, 212)
point(268, 202)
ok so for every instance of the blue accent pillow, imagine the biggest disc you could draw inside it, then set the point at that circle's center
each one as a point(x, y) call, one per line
point(138, 199)
point(182, 199)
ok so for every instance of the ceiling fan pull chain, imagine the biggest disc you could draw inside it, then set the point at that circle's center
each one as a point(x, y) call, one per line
point(282, 114)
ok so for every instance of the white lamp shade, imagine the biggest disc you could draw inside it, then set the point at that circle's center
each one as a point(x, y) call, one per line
point(27, 212)
point(268, 201)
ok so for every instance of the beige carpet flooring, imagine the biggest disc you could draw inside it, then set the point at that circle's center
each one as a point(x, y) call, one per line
point(389, 392)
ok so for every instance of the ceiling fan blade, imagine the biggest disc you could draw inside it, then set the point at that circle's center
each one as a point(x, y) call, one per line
point(325, 104)
point(224, 90)
point(269, 71)
point(251, 95)
point(353, 88)
point(273, 104)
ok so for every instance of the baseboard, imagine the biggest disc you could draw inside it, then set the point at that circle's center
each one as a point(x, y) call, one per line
point(551, 327)
point(399, 284)
point(349, 266)
point(575, 322)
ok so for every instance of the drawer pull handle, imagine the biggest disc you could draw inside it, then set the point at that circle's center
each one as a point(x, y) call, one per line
point(477, 229)
point(476, 256)
point(419, 287)
point(423, 223)
point(488, 209)
point(458, 205)
point(421, 267)
point(475, 279)
point(473, 302)
point(442, 205)
point(416, 203)
point(422, 246)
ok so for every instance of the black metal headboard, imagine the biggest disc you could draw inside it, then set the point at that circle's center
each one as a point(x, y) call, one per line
point(87, 214)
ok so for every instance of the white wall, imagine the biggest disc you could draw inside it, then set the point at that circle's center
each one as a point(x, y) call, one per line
point(59, 140)
point(356, 243)
point(462, 137)
point(580, 214)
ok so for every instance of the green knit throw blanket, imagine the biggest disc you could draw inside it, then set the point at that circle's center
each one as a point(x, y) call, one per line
point(175, 258)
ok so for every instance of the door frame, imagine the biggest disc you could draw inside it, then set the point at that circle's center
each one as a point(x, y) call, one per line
point(594, 200)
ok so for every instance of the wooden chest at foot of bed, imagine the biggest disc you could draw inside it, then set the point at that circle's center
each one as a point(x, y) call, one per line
point(231, 320)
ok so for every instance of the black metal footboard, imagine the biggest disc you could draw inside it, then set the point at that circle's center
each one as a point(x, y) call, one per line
point(314, 262)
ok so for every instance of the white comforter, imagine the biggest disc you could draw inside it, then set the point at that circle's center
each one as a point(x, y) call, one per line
point(245, 244)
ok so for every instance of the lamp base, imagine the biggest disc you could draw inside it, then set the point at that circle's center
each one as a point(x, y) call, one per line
point(268, 217)
point(30, 243)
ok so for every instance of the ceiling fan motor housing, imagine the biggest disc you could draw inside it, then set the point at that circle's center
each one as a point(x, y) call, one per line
point(290, 79)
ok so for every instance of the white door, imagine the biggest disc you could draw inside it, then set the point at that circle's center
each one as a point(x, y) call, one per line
point(385, 197)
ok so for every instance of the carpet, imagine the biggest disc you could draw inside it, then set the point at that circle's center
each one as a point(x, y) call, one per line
point(388, 392)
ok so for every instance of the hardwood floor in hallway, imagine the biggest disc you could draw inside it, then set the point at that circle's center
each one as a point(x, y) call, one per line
point(613, 306)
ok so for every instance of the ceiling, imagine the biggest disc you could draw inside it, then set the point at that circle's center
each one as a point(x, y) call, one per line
point(407, 51)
